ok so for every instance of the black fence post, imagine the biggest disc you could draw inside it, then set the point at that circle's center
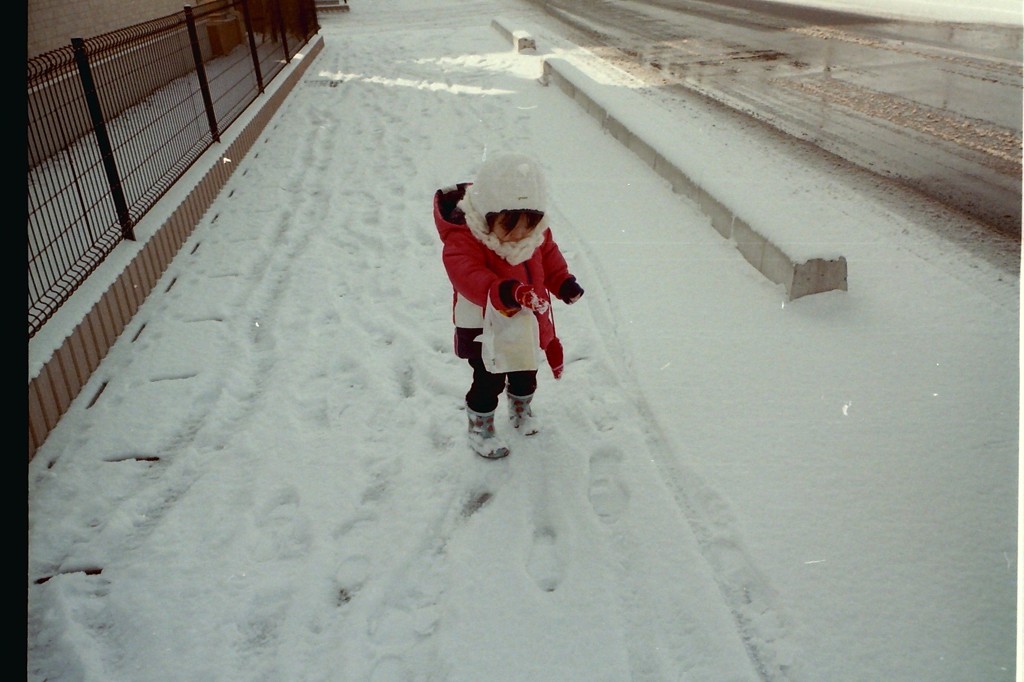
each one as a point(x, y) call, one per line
point(204, 84)
point(252, 45)
point(303, 23)
point(309, 19)
point(279, 17)
point(92, 100)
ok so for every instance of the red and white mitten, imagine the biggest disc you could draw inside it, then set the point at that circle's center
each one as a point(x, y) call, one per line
point(527, 296)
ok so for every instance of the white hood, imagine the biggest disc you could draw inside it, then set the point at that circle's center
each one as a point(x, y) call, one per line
point(505, 182)
point(508, 181)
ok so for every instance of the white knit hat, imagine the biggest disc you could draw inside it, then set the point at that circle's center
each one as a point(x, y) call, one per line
point(508, 181)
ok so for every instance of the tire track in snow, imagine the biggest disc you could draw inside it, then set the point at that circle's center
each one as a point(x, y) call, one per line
point(757, 618)
point(741, 588)
point(383, 607)
point(547, 557)
point(602, 449)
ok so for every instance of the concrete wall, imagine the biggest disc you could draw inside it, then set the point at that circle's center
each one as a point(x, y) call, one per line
point(53, 23)
point(64, 93)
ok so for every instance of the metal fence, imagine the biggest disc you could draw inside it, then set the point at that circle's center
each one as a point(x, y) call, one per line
point(114, 121)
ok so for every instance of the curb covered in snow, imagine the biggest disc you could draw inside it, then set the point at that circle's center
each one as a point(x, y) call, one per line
point(522, 41)
point(800, 275)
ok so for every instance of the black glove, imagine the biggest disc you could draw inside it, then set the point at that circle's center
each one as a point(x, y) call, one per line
point(570, 291)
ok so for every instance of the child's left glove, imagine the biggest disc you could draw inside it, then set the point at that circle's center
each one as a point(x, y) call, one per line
point(570, 291)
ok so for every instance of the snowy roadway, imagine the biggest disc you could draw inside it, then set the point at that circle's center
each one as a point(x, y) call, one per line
point(936, 106)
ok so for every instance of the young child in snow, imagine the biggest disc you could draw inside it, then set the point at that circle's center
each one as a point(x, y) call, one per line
point(500, 256)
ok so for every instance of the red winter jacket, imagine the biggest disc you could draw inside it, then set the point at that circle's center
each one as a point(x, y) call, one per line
point(476, 271)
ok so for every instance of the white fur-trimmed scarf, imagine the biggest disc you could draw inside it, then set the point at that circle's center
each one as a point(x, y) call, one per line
point(513, 252)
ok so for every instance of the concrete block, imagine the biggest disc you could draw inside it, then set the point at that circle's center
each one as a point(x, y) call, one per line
point(680, 181)
point(749, 243)
point(589, 105)
point(818, 275)
point(523, 42)
point(722, 219)
point(498, 24)
point(814, 276)
point(551, 75)
point(617, 130)
point(645, 151)
point(776, 265)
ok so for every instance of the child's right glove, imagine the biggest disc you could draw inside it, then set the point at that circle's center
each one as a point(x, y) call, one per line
point(570, 291)
point(527, 296)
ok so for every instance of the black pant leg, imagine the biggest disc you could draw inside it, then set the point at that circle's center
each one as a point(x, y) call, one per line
point(485, 389)
point(522, 383)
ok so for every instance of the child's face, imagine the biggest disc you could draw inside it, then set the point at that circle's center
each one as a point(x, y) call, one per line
point(514, 226)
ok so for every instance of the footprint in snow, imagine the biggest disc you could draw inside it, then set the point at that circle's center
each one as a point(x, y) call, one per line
point(350, 577)
point(284, 529)
point(390, 668)
point(475, 501)
point(544, 564)
point(486, 479)
point(608, 495)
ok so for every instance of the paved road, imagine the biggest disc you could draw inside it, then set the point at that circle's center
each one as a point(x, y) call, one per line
point(934, 106)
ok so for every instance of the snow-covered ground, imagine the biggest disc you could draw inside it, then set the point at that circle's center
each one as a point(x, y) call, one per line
point(268, 479)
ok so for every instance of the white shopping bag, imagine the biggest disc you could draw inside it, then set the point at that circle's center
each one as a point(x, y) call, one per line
point(510, 344)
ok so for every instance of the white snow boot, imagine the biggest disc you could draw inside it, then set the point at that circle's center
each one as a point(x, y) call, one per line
point(482, 437)
point(521, 414)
